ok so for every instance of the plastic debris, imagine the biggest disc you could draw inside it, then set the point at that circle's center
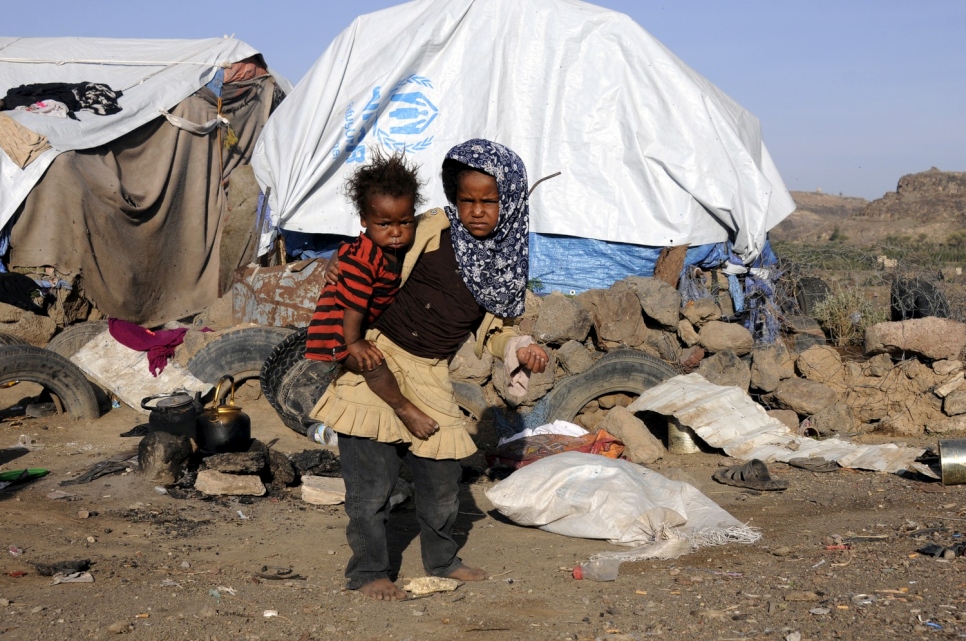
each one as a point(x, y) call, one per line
point(268, 614)
point(75, 577)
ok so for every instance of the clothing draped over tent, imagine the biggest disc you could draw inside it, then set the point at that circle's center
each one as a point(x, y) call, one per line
point(140, 217)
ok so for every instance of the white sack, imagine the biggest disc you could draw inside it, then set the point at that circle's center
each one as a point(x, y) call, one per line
point(651, 153)
point(594, 497)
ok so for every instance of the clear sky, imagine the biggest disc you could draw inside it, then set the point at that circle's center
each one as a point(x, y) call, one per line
point(851, 94)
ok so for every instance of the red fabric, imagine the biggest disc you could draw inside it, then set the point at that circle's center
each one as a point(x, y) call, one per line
point(159, 345)
point(524, 451)
point(368, 282)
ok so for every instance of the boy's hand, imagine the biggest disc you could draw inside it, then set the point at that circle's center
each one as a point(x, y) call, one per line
point(533, 357)
point(332, 269)
point(366, 354)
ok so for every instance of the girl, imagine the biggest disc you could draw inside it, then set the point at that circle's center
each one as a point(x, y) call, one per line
point(466, 270)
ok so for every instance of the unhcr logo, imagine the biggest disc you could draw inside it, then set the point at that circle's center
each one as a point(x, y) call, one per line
point(406, 119)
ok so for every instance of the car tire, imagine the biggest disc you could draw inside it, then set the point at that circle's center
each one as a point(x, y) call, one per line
point(625, 370)
point(54, 372)
point(239, 353)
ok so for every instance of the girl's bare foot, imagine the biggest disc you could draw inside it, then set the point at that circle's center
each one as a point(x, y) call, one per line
point(466, 573)
point(383, 590)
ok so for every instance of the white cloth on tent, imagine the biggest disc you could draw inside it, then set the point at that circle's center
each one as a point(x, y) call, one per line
point(651, 153)
point(193, 127)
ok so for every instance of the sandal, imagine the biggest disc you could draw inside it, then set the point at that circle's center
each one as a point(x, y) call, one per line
point(752, 475)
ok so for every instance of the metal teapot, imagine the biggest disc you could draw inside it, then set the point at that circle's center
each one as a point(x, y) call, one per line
point(223, 427)
point(176, 413)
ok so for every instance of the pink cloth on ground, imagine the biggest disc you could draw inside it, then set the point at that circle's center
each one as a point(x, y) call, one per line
point(159, 345)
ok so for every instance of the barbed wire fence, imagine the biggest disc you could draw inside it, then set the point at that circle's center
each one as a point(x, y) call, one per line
point(846, 288)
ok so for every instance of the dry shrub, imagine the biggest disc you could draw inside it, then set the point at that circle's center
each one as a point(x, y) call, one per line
point(845, 315)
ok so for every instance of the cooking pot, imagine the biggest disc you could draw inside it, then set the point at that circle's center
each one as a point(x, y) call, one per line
point(223, 427)
point(175, 413)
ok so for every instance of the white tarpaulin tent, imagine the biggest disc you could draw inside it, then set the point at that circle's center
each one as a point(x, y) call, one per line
point(153, 75)
point(651, 153)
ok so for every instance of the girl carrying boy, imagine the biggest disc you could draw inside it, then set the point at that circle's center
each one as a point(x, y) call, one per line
point(467, 269)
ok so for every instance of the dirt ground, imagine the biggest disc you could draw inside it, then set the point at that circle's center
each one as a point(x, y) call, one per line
point(837, 559)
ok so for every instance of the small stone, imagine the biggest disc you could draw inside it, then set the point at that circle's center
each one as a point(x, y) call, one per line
point(574, 357)
point(946, 367)
point(659, 300)
point(38, 609)
point(765, 369)
point(787, 417)
point(185, 565)
point(700, 311)
point(323, 490)
point(83, 514)
point(561, 319)
point(687, 333)
point(950, 385)
point(800, 595)
point(217, 483)
point(640, 446)
point(121, 627)
point(716, 336)
point(955, 403)
point(803, 396)
point(251, 462)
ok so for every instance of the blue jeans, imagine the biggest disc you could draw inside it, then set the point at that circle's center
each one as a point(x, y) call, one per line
point(370, 470)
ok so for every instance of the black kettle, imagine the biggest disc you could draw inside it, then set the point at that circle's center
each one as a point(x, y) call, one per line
point(223, 427)
point(176, 413)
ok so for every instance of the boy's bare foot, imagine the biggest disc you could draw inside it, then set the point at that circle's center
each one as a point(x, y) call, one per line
point(416, 421)
point(466, 573)
point(383, 590)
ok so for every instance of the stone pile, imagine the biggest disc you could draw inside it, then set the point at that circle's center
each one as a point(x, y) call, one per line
point(167, 459)
point(912, 382)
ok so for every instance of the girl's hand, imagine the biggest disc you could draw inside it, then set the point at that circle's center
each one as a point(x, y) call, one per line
point(533, 357)
point(332, 269)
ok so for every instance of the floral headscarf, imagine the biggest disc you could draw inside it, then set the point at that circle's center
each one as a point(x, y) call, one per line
point(496, 268)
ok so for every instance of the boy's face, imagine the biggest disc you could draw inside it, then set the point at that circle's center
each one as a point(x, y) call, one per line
point(390, 221)
point(478, 203)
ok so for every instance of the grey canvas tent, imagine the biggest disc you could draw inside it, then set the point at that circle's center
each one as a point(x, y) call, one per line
point(132, 206)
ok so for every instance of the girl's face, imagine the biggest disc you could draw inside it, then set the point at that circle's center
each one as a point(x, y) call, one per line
point(478, 203)
point(390, 221)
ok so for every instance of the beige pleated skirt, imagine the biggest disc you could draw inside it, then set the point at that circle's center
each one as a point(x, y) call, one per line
point(349, 406)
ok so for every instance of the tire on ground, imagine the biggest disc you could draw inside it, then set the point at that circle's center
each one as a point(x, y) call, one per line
point(54, 372)
point(73, 338)
point(619, 371)
point(917, 298)
point(7, 339)
point(240, 353)
point(810, 292)
point(293, 384)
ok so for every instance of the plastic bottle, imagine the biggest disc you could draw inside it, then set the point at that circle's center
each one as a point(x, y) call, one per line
point(323, 434)
point(598, 570)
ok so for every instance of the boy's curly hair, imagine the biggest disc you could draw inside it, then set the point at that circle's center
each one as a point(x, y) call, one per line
point(387, 175)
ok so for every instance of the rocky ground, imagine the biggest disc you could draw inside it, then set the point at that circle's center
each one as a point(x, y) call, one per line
point(837, 559)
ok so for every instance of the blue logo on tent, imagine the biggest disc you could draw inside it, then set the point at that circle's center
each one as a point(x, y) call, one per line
point(406, 117)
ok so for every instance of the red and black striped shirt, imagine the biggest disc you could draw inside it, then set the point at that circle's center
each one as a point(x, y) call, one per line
point(368, 282)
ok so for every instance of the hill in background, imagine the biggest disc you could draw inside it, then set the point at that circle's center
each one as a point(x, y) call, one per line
point(928, 207)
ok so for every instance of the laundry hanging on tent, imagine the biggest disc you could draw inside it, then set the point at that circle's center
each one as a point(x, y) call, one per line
point(98, 98)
